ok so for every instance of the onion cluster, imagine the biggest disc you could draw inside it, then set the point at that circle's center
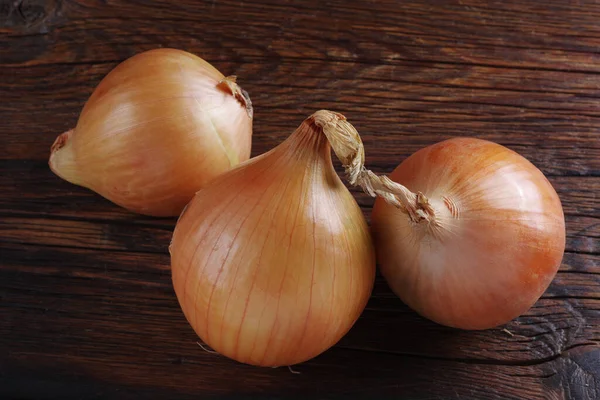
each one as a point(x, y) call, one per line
point(272, 259)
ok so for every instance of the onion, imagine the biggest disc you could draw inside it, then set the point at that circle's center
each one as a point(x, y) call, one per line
point(480, 241)
point(272, 263)
point(158, 127)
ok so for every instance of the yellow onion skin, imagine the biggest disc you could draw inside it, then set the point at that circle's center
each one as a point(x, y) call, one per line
point(495, 244)
point(273, 262)
point(158, 127)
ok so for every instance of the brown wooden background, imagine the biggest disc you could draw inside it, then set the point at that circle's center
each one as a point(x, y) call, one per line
point(87, 309)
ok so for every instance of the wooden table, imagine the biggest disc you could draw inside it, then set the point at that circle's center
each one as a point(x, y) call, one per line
point(87, 308)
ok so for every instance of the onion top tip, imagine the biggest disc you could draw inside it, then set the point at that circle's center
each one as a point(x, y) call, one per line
point(230, 82)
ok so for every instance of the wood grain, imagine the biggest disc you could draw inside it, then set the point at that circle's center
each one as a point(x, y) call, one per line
point(87, 308)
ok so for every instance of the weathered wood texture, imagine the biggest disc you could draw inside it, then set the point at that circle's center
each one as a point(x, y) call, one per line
point(87, 309)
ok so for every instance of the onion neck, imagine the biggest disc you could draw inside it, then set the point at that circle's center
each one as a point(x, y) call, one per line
point(62, 159)
point(229, 82)
point(347, 146)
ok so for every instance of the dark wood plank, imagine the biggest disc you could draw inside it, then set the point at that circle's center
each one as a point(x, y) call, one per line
point(31, 190)
point(87, 309)
point(127, 296)
point(120, 235)
point(395, 117)
point(469, 32)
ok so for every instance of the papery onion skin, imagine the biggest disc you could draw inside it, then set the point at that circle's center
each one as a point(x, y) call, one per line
point(273, 262)
point(495, 244)
point(158, 127)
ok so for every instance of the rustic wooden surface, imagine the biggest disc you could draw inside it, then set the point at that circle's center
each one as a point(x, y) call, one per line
point(87, 308)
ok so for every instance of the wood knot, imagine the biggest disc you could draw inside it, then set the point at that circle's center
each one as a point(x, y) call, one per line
point(28, 15)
